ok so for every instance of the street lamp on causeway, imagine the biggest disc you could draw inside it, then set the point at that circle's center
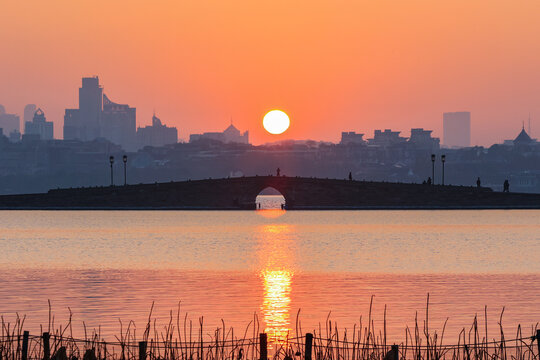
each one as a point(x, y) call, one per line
point(433, 169)
point(111, 160)
point(124, 158)
point(443, 159)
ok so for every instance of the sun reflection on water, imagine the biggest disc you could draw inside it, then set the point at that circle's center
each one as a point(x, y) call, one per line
point(277, 262)
point(276, 303)
point(271, 213)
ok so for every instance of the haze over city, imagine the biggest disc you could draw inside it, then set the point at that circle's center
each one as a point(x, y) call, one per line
point(332, 66)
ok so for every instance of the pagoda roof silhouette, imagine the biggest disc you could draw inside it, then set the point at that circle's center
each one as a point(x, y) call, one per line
point(523, 138)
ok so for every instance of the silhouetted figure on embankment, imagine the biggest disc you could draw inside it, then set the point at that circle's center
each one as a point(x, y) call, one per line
point(478, 183)
point(506, 186)
point(429, 180)
point(350, 175)
point(278, 171)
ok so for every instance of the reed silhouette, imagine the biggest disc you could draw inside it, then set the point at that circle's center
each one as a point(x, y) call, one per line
point(181, 339)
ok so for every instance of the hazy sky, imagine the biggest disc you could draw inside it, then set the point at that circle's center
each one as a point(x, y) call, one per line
point(331, 65)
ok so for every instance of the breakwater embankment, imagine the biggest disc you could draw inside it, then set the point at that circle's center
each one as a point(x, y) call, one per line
point(299, 192)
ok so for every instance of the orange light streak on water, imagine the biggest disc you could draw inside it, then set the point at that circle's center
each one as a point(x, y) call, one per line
point(277, 302)
point(271, 213)
point(277, 261)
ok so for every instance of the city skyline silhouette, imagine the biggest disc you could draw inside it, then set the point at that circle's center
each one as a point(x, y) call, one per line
point(269, 180)
point(331, 67)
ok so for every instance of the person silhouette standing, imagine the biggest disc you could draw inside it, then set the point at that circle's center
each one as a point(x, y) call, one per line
point(429, 180)
point(506, 186)
point(478, 183)
point(278, 171)
point(350, 175)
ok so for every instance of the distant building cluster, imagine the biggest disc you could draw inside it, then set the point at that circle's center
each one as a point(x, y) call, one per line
point(99, 127)
point(229, 135)
point(100, 117)
point(456, 134)
point(36, 125)
point(419, 139)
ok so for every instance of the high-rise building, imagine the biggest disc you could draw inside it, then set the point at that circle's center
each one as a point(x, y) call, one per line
point(157, 134)
point(29, 111)
point(84, 123)
point(90, 107)
point(457, 129)
point(39, 126)
point(118, 123)
point(97, 116)
point(9, 122)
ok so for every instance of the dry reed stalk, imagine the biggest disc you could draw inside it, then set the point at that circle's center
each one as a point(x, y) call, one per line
point(180, 341)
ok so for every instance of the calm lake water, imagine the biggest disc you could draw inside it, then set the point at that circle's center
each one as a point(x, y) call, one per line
point(112, 265)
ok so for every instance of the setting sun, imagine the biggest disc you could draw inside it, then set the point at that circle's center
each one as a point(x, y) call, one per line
point(276, 122)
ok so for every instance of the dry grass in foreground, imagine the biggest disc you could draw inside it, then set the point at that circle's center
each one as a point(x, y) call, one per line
point(181, 339)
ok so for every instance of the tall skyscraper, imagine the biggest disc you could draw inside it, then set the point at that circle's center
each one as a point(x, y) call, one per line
point(90, 106)
point(457, 129)
point(83, 123)
point(97, 116)
point(118, 123)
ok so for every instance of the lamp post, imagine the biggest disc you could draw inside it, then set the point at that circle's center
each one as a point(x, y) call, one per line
point(111, 160)
point(433, 169)
point(124, 158)
point(443, 159)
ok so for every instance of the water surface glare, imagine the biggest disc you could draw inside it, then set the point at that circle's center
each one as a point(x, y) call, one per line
point(230, 265)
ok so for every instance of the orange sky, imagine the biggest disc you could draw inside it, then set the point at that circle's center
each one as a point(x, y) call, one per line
point(331, 65)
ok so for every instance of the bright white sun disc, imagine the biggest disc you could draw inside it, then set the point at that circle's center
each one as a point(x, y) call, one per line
point(276, 122)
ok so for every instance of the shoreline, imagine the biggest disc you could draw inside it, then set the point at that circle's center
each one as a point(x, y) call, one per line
point(298, 208)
